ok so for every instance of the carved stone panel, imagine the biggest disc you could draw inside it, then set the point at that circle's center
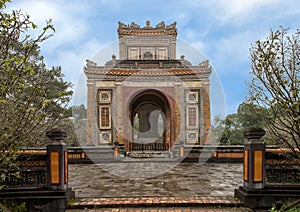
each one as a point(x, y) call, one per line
point(105, 137)
point(192, 137)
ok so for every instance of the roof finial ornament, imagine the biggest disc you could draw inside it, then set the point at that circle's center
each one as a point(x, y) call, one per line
point(147, 25)
point(134, 25)
point(160, 25)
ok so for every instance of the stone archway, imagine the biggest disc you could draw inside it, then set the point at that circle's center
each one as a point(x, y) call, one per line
point(150, 118)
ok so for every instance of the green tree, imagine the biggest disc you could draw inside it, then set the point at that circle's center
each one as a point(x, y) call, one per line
point(228, 130)
point(231, 129)
point(275, 84)
point(78, 112)
point(32, 98)
point(251, 116)
point(75, 125)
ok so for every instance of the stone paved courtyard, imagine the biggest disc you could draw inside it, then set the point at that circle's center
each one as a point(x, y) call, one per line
point(145, 179)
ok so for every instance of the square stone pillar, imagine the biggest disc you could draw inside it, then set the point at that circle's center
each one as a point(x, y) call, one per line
point(57, 152)
point(91, 125)
point(205, 101)
point(254, 159)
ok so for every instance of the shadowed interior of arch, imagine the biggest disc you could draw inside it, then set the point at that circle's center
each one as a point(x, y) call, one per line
point(149, 118)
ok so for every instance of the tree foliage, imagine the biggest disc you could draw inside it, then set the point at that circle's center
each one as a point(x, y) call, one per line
point(275, 84)
point(230, 130)
point(75, 125)
point(32, 97)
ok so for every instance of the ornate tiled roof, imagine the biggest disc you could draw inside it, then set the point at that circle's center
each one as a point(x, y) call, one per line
point(147, 72)
point(134, 29)
point(150, 68)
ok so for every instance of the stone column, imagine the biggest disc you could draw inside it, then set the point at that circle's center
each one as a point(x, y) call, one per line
point(254, 159)
point(119, 114)
point(57, 160)
point(91, 127)
point(143, 123)
point(154, 124)
point(172, 49)
point(177, 118)
point(122, 50)
point(205, 103)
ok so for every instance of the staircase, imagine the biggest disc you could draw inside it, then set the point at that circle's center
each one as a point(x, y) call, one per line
point(147, 144)
point(151, 154)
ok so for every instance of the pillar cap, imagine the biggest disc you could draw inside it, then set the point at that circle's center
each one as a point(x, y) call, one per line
point(254, 133)
point(56, 134)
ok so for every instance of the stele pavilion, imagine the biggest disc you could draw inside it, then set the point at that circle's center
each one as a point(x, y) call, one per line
point(148, 99)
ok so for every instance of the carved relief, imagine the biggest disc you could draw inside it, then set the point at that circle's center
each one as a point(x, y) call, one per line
point(105, 117)
point(135, 29)
point(105, 137)
point(90, 63)
point(122, 25)
point(192, 137)
point(133, 53)
point(192, 97)
point(160, 25)
point(171, 26)
point(104, 96)
point(192, 117)
point(134, 25)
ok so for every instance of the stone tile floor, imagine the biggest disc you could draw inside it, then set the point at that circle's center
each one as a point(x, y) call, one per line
point(155, 186)
point(168, 209)
point(154, 179)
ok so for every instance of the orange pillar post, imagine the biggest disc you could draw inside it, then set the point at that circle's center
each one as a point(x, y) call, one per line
point(57, 175)
point(254, 159)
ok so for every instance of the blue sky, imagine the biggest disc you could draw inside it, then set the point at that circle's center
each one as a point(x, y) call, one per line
point(222, 30)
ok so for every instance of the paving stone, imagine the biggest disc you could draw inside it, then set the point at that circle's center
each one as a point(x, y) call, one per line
point(186, 183)
point(185, 179)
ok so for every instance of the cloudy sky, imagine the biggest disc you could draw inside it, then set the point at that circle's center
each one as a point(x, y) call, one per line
point(222, 30)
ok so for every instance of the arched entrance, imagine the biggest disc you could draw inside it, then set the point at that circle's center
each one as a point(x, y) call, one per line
point(150, 118)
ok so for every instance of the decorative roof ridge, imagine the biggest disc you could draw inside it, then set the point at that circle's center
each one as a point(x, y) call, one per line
point(135, 29)
point(134, 26)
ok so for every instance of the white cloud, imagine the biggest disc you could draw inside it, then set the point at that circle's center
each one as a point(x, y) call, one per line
point(231, 9)
point(39, 11)
point(69, 28)
point(232, 51)
point(245, 11)
point(222, 29)
point(72, 42)
point(183, 16)
point(72, 60)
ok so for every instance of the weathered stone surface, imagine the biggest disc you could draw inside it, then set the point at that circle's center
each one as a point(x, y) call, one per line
point(185, 179)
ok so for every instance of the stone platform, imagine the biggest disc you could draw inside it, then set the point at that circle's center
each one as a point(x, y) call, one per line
point(152, 204)
point(146, 179)
point(145, 185)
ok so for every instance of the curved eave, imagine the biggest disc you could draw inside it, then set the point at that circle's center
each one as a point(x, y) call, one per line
point(148, 72)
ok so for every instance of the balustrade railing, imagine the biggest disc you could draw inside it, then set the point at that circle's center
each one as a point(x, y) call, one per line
point(155, 146)
point(281, 169)
point(31, 171)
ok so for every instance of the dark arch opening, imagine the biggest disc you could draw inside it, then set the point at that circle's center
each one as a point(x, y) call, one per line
point(150, 116)
point(148, 56)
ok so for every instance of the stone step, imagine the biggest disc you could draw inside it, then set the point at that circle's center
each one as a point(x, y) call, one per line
point(150, 154)
point(123, 202)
